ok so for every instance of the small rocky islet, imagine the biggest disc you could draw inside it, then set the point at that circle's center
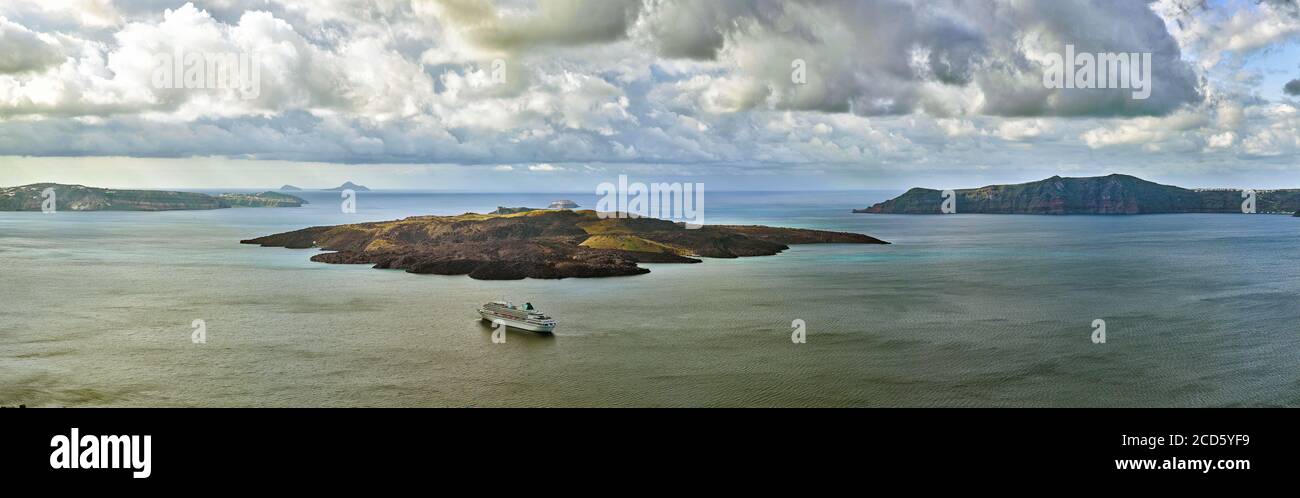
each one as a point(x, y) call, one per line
point(544, 244)
point(348, 186)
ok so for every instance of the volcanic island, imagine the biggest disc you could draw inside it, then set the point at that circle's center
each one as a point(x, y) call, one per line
point(541, 243)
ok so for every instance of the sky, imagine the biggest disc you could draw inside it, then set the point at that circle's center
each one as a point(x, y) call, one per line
point(560, 95)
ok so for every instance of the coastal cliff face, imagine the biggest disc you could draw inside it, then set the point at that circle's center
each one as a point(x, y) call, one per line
point(540, 244)
point(82, 198)
point(1112, 194)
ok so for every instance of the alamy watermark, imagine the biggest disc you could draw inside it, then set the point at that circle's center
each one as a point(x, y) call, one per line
point(497, 75)
point(1100, 70)
point(200, 333)
point(49, 201)
point(798, 331)
point(1099, 331)
point(77, 451)
point(498, 331)
point(199, 70)
point(349, 205)
point(669, 201)
point(949, 204)
point(1248, 205)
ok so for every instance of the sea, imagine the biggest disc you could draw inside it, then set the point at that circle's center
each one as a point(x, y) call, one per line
point(962, 310)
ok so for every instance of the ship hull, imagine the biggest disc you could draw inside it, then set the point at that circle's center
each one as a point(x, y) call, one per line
point(517, 324)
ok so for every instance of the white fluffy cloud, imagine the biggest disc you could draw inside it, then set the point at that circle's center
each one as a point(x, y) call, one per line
point(1214, 34)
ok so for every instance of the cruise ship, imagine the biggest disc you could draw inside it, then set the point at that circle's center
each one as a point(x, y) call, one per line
point(526, 318)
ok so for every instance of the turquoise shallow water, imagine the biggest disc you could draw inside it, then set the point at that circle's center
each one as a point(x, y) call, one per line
point(963, 310)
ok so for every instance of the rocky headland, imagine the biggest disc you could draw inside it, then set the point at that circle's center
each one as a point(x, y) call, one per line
point(1112, 194)
point(83, 198)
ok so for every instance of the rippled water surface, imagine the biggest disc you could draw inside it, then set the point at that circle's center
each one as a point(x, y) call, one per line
point(962, 310)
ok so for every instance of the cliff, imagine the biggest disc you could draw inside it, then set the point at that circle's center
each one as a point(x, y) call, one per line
point(82, 198)
point(1112, 194)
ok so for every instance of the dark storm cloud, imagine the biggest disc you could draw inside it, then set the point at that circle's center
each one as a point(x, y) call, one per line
point(1292, 87)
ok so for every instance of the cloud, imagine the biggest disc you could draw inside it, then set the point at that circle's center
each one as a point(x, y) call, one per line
point(25, 50)
point(1218, 33)
point(890, 57)
point(1292, 87)
point(1149, 131)
point(553, 22)
point(104, 80)
point(1023, 129)
point(742, 86)
point(1222, 140)
point(956, 127)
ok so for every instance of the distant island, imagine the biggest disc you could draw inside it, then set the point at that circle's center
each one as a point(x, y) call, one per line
point(290, 188)
point(563, 204)
point(540, 244)
point(264, 199)
point(1111, 194)
point(349, 186)
point(83, 198)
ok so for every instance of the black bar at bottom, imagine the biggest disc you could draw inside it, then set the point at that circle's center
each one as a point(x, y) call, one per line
point(394, 445)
